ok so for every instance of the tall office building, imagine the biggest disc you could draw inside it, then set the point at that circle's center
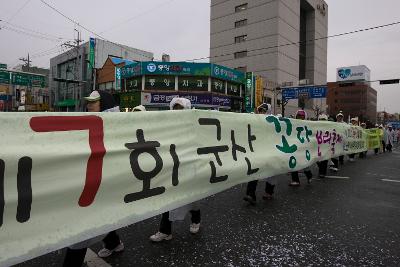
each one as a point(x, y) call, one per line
point(276, 39)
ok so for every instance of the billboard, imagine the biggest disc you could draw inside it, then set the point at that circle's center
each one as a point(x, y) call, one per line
point(353, 73)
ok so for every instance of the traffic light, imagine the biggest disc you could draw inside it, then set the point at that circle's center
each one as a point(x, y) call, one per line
point(393, 81)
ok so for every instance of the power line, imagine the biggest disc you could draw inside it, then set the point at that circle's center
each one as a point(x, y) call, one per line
point(19, 10)
point(34, 31)
point(137, 16)
point(88, 30)
point(306, 41)
point(30, 34)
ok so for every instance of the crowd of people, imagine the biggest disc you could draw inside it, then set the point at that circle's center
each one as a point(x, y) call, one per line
point(101, 101)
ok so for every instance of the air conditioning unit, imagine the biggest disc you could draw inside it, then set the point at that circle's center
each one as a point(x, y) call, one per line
point(304, 82)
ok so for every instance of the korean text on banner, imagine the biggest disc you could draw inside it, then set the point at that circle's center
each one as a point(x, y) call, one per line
point(65, 178)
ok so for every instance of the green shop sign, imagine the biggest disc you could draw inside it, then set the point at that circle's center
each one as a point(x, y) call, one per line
point(228, 74)
point(3, 66)
point(4, 77)
point(182, 69)
point(129, 100)
point(249, 91)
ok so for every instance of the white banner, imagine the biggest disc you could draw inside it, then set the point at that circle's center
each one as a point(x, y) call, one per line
point(68, 177)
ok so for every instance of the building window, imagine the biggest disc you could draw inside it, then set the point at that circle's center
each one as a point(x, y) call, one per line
point(242, 69)
point(240, 39)
point(241, 8)
point(241, 54)
point(240, 23)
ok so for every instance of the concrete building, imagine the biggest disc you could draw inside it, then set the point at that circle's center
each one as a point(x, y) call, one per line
point(353, 94)
point(71, 76)
point(274, 39)
point(355, 99)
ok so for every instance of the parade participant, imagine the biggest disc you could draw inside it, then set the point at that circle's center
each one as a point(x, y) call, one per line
point(389, 138)
point(97, 101)
point(376, 150)
point(382, 136)
point(335, 167)
point(363, 154)
point(165, 230)
point(252, 186)
point(139, 108)
point(354, 122)
point(322, 165)
point(300, 115)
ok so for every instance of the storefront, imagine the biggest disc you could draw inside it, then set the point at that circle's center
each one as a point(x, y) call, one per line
point(208, 86)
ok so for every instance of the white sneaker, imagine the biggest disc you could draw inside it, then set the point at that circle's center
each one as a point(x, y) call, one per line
point(158, 237)
point(194, 228)
point(334, 169)
point(103, 253)
point(351, 160)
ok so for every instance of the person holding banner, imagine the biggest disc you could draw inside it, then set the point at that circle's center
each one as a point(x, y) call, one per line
point(322, 165)
point(301, 115)
point(250, 197)
point(97, 101)
point(336, 161)
point(354, 122)
point(364, 153)
point(165, 230)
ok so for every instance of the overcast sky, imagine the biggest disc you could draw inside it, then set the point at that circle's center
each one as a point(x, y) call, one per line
point(181, 28)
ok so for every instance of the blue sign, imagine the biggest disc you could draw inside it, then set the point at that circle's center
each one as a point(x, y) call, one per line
point(306, 91)
point(206, 100)
point(394, 124)
point(344, 73)
point(6, 97)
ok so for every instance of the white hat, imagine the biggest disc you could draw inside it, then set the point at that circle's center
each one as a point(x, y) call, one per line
point(184, 102)
point(339, 114)
point(94, 96)
point(354, 119)
point(139, 108)
point(322, 117)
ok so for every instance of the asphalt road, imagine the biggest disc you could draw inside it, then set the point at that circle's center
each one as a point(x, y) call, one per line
point(350, 220)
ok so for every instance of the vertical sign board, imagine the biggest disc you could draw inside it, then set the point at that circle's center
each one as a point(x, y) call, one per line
point(92, 44)
point(248, 97)
point(259, 91)
point(117, 79)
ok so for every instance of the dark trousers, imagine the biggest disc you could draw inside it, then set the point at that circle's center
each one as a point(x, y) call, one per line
point(323, 167)
point(166, 224)
point(252, 186)
point(383, 146)
point(112, 240)
point(389, 147)
point(74, 257)
point(295, 176)
point(376, 150)
point(337, 161)
point(352, 156)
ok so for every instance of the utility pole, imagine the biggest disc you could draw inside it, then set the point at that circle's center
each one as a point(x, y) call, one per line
point(75, 45)
point(27, 61)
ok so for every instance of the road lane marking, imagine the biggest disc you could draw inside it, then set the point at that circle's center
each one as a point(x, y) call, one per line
point(337, 177)
point(92, 260)
point(388, 180)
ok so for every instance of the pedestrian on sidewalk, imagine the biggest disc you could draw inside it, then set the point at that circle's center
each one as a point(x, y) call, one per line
point(97, 101)
point(301, 115)
point(252, 185)
point(165, 230)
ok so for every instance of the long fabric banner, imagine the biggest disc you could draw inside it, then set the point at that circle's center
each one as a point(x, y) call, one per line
point(68, 177)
